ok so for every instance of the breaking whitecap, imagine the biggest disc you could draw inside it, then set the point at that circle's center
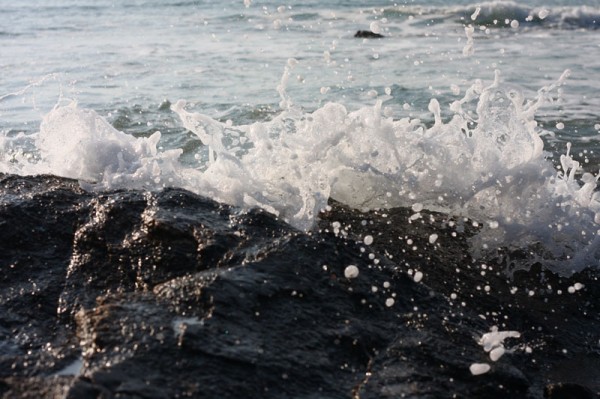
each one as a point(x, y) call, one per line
point(486, 163)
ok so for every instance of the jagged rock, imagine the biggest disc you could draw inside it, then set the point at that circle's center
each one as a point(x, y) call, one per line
point(159, 295)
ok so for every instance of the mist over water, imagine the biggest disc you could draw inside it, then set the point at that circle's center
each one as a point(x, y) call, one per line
point(486, 111)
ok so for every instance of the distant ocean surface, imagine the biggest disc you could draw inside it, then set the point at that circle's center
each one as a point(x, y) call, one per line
point(277, 105)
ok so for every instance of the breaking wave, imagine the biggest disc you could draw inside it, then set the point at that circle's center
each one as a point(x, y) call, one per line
point(485, 163)
point(503, 13)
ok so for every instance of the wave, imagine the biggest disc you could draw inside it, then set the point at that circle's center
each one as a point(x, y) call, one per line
point(485, 163)
point(505, 14)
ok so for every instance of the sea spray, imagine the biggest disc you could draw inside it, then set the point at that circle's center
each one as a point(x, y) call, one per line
point(486, 163)
point(509, 14)
point(80, 144)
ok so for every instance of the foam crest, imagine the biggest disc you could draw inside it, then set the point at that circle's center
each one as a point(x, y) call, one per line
point(266, 164)
point(80, 144)
point(503, 13)
point(508, 14)
point(486, 163)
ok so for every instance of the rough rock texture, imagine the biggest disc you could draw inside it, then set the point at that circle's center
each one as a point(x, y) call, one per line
point(162, 295)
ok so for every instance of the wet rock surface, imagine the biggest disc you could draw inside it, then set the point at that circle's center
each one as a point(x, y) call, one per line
point(162, 295)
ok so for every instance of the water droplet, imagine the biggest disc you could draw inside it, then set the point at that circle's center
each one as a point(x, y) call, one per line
point(418, 276)
point(479, 368)
point(351, 271)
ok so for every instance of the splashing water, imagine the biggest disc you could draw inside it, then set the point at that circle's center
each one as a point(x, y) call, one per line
point(486, 163)
point(80, 144)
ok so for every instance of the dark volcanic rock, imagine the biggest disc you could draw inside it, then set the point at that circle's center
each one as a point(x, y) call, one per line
point(367, 34)
point(168, 294)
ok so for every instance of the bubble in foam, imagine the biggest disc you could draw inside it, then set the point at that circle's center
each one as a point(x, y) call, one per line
point(389, 302)
point(514, 24)
point(543, 13)
point(433, 238)
point(368, 240)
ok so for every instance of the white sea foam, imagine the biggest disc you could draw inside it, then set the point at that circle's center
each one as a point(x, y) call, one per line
point(493, 342)
point(486, 163)
point(495, 339)
point(501, 13)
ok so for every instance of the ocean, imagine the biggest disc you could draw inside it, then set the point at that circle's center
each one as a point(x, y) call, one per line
point(486, 113)
point(296, 71)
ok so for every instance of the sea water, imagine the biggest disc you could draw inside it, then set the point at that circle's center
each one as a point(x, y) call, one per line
point(485, 110)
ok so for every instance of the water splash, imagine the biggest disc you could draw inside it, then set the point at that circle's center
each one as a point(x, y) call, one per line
point(486, 163)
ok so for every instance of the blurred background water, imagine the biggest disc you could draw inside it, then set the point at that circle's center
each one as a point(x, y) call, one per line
point(129, 60)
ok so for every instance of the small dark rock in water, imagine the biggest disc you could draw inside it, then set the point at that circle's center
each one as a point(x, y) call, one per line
point(367, 34)
point(133, 294)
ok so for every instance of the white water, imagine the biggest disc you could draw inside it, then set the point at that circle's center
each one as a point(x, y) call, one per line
point(486, 163)
point(347, 126)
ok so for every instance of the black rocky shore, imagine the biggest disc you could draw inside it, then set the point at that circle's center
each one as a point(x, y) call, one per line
point(132, 294)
